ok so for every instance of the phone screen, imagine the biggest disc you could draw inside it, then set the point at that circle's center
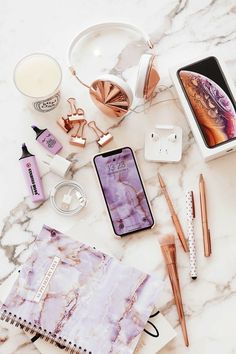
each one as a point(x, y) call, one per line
point(211, 100)
point(123, 191)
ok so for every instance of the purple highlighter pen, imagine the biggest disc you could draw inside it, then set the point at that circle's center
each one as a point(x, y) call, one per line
point(47, 140)
point(31, 173)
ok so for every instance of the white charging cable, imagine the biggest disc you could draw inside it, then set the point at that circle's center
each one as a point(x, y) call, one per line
point(73, 194)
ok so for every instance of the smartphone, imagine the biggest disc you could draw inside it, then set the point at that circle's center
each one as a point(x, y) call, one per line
point(123, 191)
point(211, 100)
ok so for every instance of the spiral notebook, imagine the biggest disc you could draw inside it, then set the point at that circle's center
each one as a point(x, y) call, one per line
point(80, 298)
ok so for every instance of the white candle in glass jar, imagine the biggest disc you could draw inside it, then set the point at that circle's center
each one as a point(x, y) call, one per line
point(38, 77)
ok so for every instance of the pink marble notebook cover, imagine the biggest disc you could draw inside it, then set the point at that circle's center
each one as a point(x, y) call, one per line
point(81, 297)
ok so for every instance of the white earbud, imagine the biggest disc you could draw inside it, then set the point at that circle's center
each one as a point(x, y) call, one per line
point(154, 136)
point(164, 143)
point(172, 138)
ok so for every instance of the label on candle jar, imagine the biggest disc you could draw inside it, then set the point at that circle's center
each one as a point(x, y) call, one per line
point(48, 104)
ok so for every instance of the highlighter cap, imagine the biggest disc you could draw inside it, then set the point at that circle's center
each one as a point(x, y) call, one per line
point(37, 130)
point(25, 152)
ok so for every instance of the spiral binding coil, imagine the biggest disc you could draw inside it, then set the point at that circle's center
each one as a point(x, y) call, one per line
point(47, 336)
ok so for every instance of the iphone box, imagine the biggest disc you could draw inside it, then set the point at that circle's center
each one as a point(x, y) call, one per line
point(207, 93)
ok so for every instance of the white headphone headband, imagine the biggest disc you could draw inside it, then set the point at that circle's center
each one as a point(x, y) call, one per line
point(103, 26)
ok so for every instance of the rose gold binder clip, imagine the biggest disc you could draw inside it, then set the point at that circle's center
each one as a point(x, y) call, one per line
point(78, 138)
point(102, 138)
point(75, 113)
point(65, 124)
point(73, 117)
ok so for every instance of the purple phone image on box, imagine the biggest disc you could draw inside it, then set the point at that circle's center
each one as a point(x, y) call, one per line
point(123, 191)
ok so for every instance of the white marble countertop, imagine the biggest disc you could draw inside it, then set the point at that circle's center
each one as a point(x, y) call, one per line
point(180, 30)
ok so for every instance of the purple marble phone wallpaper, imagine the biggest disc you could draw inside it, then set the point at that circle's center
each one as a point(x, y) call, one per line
point(92, 300)
point(213, 108)
point(124, 194)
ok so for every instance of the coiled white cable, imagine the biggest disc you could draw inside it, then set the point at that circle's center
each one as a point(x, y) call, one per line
point(71, 201)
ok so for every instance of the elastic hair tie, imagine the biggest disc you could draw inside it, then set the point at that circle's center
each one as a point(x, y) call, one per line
point(155, 335)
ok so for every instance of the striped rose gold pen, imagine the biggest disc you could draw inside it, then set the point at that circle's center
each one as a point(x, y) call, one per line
point(190, 216)
point(174, 216)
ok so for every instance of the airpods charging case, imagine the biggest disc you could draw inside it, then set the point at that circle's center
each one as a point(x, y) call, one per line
point(164, 144)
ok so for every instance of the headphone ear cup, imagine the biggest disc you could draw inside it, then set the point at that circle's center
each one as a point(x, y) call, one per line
point(147, 78)
point(111, 95)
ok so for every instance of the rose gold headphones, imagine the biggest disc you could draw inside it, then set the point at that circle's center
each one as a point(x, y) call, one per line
point(111, 94)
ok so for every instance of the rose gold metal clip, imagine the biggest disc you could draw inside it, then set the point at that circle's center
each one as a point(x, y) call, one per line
point(78, 139)
point(65, 124)
point(103, 138)
point(75, 113)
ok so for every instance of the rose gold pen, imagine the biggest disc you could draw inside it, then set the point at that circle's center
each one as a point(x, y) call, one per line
point(205, 228)
point(174, 216)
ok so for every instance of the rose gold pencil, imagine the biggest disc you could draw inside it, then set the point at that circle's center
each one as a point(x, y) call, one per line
point(205, 228)
point(168, 248)
point(174, 216)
